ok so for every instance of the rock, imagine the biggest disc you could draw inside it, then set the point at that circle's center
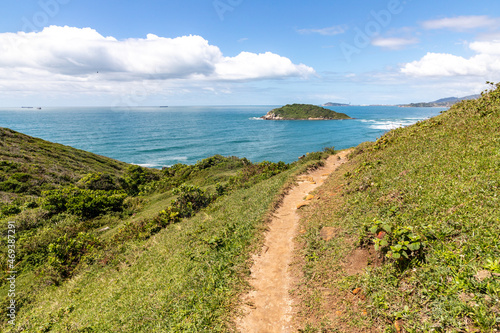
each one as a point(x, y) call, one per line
point(356, 291)
point(271, 116)
point(302, 204)
point(310, 197)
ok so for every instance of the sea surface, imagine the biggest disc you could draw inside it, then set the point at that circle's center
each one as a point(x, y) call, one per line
point(163, 136)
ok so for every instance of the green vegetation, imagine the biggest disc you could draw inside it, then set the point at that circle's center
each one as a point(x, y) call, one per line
point(419, 208)
point(102, 246)
point(304, 112)
point(114, 247)
point(29, 165)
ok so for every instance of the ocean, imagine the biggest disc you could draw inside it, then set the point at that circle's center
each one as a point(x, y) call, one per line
point(163, 136)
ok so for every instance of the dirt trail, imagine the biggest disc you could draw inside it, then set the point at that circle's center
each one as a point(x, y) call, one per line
point(268, 307)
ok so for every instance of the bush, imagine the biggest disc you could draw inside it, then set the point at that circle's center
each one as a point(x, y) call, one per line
point(400, 243)
point(137, 176)
point(13, 185)
point(219, 160)
point(190, 200)
point(65, 253)
point(98, 181)
point(10, 209)
point(84, 203)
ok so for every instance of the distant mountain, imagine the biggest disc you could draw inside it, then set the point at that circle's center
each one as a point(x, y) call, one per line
point(443, 102)
point(335, 104)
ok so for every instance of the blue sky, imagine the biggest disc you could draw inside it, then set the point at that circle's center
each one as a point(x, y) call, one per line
point(235, 52)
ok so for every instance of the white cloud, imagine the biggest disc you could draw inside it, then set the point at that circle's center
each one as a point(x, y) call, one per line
point(394, 43)
point(84, 55)
point(262, 65)
point(461, 23)
point(485, 63)
point(330, 31)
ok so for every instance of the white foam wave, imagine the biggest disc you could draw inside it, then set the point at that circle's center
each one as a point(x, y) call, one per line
point(147, 165)
point(392, 124)
point(255, 118)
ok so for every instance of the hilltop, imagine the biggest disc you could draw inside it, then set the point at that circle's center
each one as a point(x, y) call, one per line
point(443, 102)
point(30, 165)
point(303, 112)
point(335, 104)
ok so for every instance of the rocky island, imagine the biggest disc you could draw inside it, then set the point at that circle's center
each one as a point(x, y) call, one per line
point(303, 112)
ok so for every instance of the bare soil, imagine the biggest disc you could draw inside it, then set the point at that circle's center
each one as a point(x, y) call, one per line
point(268, 307)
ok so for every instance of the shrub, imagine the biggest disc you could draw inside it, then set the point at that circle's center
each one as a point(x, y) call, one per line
point(219, 160)
point(84, 203)
point(190, 200)
point(13, 185)
point(396, 242)
point(137, 176)
point(98, 181)
point(65, 253)
point(10, 209)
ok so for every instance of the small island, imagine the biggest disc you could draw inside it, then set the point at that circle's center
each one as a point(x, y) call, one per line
point(303, 112)
point(335, 104)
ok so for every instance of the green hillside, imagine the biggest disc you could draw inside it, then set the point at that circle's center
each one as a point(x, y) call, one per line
point(303, 112)
point(102, 246)
point(29, 165)
point(417, 230)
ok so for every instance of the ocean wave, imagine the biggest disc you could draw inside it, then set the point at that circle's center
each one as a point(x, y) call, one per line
point(390, 124)
point(147, 165)
point(255, 118)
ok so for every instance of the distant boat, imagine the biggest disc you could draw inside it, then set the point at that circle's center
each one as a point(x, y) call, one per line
point(38, 108)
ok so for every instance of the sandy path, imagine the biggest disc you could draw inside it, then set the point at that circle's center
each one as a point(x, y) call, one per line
point(268, 307)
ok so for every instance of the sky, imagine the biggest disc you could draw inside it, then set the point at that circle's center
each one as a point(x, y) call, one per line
point(245, 52)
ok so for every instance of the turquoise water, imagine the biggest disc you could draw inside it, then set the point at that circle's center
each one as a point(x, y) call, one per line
point(157, 137)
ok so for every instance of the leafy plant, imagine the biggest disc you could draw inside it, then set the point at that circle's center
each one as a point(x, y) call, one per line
point(98, 181)
point(65, 253)
point(190, 200)
point(136, 176)
point(84, 203)
point(397, 242)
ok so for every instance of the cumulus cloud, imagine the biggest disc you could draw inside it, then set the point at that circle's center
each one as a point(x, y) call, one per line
point(74, 54)
point(485, 63)
point(264, 65)
point(329, 31)
point(394, 43)
point(461, 23)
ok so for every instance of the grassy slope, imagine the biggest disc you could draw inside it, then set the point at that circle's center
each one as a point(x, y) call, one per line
point(182, 280)
point(184, 277)
point(440, 179)
point(36, 164)
point(305, 111)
